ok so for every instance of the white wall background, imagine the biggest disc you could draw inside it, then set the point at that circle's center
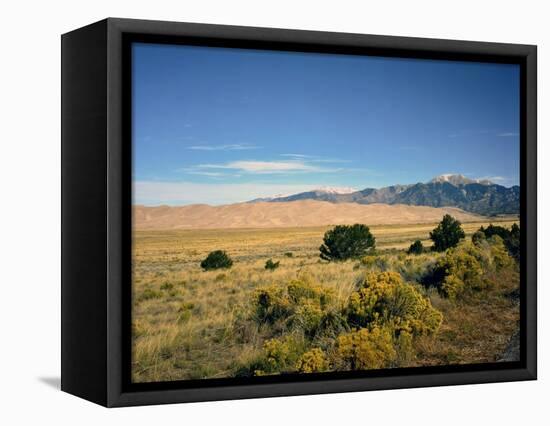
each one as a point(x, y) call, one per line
point(30, 211)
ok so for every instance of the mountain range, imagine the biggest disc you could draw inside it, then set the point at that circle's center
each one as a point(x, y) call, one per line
point(480, 196)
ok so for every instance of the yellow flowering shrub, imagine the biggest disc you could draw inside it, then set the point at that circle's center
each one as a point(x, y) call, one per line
point(313, 361)
point(271, 304)
point(411, 312)
point(279, 355)
point(305, 288)
point(461, 270)
point(385, 299)
point(404, 346)
point(307, 316)
point(500, 254)
point(453, 287)
point(365, 349)
point(468, 268)
point(302, 304)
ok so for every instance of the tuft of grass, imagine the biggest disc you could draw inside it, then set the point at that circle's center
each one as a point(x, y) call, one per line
point(167, 286)
point(270, 265)
point(149, 294)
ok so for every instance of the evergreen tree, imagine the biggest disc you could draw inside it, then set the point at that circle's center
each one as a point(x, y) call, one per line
point(416, 248)
point(447, 234)
point(218, 259)
point(347, 242)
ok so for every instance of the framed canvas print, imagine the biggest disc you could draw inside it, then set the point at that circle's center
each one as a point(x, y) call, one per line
point(253, 212)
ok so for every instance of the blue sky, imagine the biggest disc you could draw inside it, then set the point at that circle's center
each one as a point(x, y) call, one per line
point(220, 125)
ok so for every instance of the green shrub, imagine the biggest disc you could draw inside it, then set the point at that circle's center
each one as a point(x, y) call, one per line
point(346, 242)
point(412, 269)
point(331, 324)
point(289, 254)
point(447, 234)
point(416, 248)
point(149, 294)
point(185, 311)
point(405, 350)
point(513, 242)
point(218, 259)
point(510, 237)
point(167, 286)
point(374, 262)
point(478, 237)
point(220, 278)
point(271, 266)
point(491, 230)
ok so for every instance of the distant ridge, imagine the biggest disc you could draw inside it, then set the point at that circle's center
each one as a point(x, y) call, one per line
point(479, 196)
point(324, 193)
point(287, 214)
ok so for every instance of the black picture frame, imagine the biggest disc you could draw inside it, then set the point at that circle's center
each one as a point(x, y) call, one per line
point(96, 211)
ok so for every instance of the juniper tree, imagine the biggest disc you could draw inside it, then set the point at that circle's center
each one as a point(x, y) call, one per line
point(347, 242)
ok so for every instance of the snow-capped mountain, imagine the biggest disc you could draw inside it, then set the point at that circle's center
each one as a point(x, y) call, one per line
point(335, 189)
point(450, 190)
point(316, 193)
point(267, 199)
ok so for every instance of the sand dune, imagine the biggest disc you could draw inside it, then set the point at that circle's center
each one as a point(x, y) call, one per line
point(288, 214)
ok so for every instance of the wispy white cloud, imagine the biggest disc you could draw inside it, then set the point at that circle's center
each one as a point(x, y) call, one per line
point(228, 147)
point(287, 164)
point(204, 173)
point(314, 158)
point(180, 193)
point(297, 155)
point(501, 180)
point(467, 133)
point(329, 160)
point(268, 167)
point(495, 179)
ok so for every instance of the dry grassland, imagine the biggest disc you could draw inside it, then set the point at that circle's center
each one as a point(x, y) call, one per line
point(184, 317)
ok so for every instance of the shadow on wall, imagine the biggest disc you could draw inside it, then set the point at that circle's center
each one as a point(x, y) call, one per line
point(54, 382)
